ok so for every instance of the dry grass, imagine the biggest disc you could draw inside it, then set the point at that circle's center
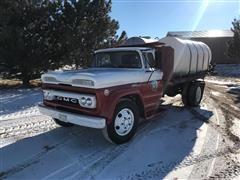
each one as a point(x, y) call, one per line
point(16, 83)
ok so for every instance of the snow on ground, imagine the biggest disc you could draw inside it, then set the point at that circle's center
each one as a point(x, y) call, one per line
point(161, 147)
point(16, 103)
point(236, 127)
point(179, 144)
point(225, 74)
point(220, 81)
point(34, 147)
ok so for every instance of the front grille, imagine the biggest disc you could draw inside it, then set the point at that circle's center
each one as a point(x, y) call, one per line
point(65, 103)
point(70, 89)
point(66, 100)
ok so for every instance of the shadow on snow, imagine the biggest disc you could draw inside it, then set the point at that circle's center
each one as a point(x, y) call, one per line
point(158, 147)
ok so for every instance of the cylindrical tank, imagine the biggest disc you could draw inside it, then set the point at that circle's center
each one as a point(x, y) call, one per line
point(190, 57)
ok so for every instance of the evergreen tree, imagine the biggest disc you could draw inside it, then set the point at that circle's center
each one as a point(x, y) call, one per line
point(25, 37)
point(36, 35)
point(234, 44)
point(87, 26)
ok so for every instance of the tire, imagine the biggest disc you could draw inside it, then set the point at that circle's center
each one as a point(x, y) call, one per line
point(195, 93)
point(63, 124)
point(185, 95)
point(124, 123)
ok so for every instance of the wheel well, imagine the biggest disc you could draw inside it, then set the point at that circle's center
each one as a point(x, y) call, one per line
point(136, 98)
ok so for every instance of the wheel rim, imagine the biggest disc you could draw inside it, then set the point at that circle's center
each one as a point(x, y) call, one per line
point(124, 122)
point(198, 94)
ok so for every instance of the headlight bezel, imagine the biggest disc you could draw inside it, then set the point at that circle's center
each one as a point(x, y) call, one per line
point(87, 98)
point(47, 95)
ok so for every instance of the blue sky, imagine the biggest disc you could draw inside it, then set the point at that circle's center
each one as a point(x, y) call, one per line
point(156, 17)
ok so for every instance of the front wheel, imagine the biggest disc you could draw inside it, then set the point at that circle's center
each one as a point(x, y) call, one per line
point(124, 123)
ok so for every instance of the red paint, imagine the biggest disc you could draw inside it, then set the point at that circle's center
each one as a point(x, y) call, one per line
point(106, 104)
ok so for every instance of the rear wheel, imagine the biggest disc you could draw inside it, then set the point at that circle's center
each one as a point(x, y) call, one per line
point(192, 93)
point(185, 95)
point(61, 123)
point(124, 123)
point(195, 93)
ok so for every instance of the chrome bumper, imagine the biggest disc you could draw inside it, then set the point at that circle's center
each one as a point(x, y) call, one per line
point(79, 119)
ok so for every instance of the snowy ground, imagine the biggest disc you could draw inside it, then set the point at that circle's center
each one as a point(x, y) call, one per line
point(182, 143)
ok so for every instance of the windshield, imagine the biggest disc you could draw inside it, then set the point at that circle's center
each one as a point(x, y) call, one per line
point(117, 59)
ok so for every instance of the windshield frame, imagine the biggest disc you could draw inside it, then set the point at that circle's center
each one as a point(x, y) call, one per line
point(123, 50)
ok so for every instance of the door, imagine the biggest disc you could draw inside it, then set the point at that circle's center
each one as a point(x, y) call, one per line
point(154, 87)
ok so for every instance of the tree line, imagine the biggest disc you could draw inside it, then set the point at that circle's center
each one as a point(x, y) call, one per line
point(234, 44)
point(37, 35)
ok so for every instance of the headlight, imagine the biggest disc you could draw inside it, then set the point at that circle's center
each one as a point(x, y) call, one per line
point(88, 101)
point(47, 95)
point(83, 82)
point(83, 101)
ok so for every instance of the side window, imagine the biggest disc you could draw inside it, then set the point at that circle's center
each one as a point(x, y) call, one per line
point(146, 65)
point(149, 61)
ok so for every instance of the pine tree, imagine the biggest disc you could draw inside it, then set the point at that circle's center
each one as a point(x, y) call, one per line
point(37, 35)
point(87, 26)
point(24, 37)
point(234, 44)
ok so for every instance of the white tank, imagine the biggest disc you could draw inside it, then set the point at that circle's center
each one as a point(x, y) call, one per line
point(190, 57)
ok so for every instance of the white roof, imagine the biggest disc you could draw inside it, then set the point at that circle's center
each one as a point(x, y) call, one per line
point(201, 34)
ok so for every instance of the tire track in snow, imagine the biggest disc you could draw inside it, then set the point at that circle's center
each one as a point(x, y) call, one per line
point(209, 150)
point(199, 162)
point(13, 130)
point(154, 170)
point(40, 155)
point(92, 164)
point(33, 160)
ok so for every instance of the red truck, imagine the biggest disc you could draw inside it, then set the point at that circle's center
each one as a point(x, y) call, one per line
point(126, 83)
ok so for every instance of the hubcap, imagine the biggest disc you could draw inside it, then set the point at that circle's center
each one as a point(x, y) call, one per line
point(124, 122)
point(198, 94)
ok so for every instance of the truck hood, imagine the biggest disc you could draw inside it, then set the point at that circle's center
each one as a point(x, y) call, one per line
point(99, 77)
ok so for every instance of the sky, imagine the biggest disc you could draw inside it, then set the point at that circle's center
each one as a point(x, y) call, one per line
point(156, 17)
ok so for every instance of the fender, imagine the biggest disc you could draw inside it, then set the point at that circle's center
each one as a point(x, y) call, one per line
point(114, 97)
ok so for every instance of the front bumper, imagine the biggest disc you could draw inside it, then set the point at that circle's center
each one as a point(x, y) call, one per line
point(74, 118)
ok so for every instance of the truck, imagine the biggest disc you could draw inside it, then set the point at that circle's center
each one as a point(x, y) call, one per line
point(125, 84)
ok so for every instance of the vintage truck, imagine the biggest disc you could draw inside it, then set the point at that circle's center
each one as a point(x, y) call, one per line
point(126, 83)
